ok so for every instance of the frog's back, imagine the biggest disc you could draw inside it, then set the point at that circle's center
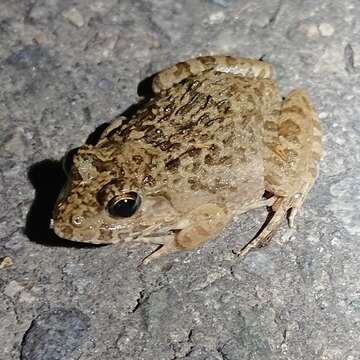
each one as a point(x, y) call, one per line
point(203, 134)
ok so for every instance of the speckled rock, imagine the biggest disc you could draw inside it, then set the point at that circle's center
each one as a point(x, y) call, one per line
point(68, 67)
point(54, 335)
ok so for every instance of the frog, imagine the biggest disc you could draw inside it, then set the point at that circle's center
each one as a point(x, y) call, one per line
point(214, 140)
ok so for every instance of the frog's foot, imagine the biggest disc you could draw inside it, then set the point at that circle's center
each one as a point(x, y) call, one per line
point(298, 201)
point(280, 207)
point(238, 66)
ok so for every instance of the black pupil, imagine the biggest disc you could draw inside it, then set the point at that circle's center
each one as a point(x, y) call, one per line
point(126, 206)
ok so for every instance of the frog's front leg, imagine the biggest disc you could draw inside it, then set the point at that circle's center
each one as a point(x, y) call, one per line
point(238, 66)
point(207, 222)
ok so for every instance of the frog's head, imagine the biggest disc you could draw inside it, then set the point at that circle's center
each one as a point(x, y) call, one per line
point(107, 200)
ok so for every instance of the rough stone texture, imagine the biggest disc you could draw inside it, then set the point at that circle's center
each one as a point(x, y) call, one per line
point(68, 66)
point(52, 336)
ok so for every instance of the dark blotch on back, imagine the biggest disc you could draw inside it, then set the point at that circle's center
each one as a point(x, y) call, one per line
point(172, 165)
point(181, 68)
point(168, 145)
point(149, 180)
point(165, 145)
point(207, 60)
point(194, 184)
point(194, 152)
point(138, 159)
point(230, 60)
point(194, 85)
point(153, 135)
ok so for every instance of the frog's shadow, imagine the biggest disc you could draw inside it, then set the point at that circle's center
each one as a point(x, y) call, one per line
point(48, 178)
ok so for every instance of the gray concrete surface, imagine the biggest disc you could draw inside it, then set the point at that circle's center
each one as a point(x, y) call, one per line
point(68, 66)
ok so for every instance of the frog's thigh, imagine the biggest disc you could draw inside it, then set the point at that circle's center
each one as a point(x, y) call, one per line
point(292, 153)
point(292, 147)
point(208, 221)
point(239, 66)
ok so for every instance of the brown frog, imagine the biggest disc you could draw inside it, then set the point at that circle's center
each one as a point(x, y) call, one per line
point(215, 140)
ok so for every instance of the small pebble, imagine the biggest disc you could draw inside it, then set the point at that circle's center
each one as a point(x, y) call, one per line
point(6, 262)
point(55, 334)
point(223, 3)
point(312, 31)
point(217, 17)
point(326, 29)
point(40, 39)
point(13, 288)
point(74, 17)
point(26, 297)
point(105, 84)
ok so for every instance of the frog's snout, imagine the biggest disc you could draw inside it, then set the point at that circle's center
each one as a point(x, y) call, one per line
point(71, 227)
point(68, 231)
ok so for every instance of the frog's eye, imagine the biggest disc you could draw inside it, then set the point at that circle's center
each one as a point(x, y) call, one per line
point(124, 205)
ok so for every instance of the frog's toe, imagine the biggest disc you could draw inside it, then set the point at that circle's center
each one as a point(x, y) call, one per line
point(160, 251)
point(296, 204)
point(258, 242)
point(291, 217)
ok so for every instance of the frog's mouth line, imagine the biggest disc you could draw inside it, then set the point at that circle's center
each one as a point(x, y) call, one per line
point(162, 233)
point(150, 232)
point(157, 230)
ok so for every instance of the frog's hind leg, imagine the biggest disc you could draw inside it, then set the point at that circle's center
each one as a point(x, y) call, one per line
point(292, 150)
point(165, 79)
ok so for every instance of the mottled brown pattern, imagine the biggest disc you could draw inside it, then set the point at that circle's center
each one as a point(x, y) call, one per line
point(289, 129)
point(208, 61)
point(104, 234)
point(108, 191)
point(213, 138)
point(173, 164)
point(271, 126)
point(182, 70)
